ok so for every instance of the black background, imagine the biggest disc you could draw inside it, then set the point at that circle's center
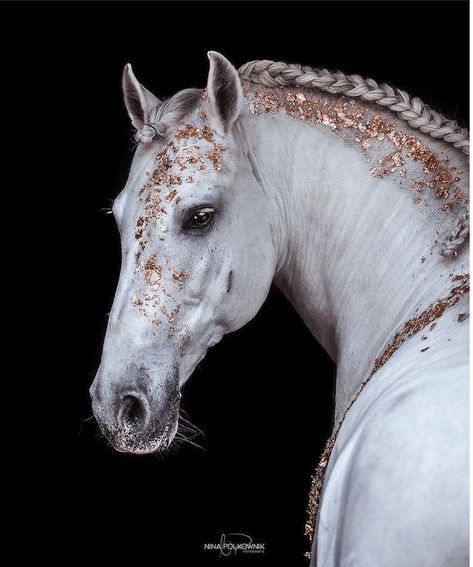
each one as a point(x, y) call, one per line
point(264, 395)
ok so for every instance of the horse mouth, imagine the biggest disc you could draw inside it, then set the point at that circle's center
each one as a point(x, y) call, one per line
point(128, 442)
point(156, 438)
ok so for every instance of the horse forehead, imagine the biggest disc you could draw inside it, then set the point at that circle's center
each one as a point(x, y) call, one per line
point(188, 146)
point(190, 157)
point(193, 143)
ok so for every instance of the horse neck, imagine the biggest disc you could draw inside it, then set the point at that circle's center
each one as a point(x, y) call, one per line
point(356, 254)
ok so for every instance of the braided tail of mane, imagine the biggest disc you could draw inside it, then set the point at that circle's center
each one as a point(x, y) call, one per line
point(458, 236)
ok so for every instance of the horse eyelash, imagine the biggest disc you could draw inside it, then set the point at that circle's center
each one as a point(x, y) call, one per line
point(108, 210)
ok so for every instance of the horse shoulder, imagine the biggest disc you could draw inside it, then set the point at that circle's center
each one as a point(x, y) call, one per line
point(396, 492)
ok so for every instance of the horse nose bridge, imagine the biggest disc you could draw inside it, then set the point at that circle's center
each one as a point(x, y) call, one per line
point(126, 311)
point(143, 320)
point(148, 299)
point(127, 289)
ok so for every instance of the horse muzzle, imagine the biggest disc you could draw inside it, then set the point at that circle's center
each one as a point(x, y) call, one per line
point(137, 419)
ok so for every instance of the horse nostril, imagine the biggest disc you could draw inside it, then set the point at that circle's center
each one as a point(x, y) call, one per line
point(134, 412)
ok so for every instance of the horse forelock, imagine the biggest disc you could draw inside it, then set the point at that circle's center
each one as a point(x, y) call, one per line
point(168, 113)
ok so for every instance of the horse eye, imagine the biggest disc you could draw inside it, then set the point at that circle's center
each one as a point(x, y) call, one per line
point(201, 218)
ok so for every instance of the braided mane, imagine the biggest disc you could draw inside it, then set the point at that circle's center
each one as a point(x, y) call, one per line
point(412, 110)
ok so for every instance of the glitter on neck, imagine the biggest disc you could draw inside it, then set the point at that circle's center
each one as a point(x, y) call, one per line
point(428, 174)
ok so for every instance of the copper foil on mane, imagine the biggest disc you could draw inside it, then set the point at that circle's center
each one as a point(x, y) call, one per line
point(368, 129)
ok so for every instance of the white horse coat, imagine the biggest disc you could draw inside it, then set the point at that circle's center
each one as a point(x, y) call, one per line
point(345, 207)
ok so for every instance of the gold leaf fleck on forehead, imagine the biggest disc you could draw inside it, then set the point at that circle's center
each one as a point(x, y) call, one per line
point(190, 131)
point(216, 157)
point(192, 150)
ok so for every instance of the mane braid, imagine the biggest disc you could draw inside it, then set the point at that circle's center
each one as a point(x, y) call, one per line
point(411, 110)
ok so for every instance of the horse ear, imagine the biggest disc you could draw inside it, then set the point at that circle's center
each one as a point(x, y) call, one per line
point(224, 90)
point(138, 100)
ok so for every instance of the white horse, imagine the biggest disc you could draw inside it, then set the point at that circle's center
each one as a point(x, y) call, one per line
point(352, 198)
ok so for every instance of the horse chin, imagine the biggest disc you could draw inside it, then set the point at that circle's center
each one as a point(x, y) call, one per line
point(128, 441)
point(129, 444)
point(143, 448)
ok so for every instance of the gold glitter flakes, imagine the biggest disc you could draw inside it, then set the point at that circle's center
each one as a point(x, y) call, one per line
point(365, 126)
point(207, 134)
point(427, 317)
point(155, 301)
point(190, 131)
point(151, 271)
point(215, 156)
point(139, 233)
point(160, 175)
point(178, 276)
point(375, 172)
point(192, 155)
point(189, 157)
point(170, 196)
